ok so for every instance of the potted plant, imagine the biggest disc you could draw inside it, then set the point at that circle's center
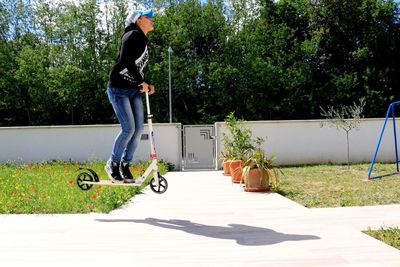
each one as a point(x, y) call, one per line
point(226, 162)
point(259, 174)
point(240, 145)
point(226, 156)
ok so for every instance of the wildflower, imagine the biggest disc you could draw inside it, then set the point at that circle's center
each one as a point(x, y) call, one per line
point(94, 196)
point(70, 182)
point(14, 193)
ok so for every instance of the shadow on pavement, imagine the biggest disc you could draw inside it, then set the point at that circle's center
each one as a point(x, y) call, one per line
point(244, 235)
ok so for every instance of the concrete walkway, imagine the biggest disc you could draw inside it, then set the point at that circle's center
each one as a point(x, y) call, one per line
point(202, 220)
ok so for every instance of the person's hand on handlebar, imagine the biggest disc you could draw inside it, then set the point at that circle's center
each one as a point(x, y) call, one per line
point(151, 89)
point(146, 87)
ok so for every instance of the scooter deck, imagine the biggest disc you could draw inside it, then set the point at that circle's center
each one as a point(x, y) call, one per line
point(109, 182)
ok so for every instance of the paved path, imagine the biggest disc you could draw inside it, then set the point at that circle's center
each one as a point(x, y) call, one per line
point(202, 220)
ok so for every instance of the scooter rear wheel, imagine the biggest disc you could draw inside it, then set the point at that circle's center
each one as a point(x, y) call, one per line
point(162, 185)
point(84, 176)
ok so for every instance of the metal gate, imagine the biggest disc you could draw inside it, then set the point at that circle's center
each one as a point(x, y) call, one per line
point(199, 147)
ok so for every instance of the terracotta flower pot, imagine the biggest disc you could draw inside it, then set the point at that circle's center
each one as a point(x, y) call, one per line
point(226, 165)
point(253, 182)
point(236, 170)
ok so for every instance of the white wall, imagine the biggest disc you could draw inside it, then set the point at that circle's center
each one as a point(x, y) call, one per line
point(304, 141)
point(81, 143)
point(293, 142)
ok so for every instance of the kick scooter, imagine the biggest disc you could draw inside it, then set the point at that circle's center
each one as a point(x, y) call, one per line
point(158, 184)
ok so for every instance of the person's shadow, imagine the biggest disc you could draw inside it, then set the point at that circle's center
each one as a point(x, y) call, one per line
point(244, 235)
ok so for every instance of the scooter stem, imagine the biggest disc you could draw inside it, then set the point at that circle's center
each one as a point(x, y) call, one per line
point(153, 153)
point(148, 105)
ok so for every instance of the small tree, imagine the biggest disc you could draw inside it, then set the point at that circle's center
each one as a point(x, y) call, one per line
point(228, 147)
point(239, 138)
point(346, 118)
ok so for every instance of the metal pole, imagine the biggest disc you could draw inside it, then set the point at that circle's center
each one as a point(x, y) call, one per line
point(390, 109)
point(169, 78)
point(379, 142)
point(395, 138)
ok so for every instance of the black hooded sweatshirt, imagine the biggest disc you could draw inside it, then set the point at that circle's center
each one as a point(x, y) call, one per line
point(132, 58)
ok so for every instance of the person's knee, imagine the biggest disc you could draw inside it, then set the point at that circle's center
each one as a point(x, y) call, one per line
point(139, 129)
point(128, 132)
point(138, 132)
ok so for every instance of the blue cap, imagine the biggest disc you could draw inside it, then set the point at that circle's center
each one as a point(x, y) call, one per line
point(133, 16)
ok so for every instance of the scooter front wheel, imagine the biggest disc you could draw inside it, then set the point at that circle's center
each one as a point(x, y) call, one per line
point(162, 185)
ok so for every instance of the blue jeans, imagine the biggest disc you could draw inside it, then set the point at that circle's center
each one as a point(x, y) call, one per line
point(128, 107)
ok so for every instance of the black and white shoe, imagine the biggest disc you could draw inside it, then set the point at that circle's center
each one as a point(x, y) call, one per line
point(112, 170)
point(125, 172)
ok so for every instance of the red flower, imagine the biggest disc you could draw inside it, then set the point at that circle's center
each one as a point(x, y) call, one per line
point(94, 196)
point(14, 193)
point(71, 182)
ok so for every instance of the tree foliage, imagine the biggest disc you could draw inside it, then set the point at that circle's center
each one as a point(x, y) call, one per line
point(262, 59)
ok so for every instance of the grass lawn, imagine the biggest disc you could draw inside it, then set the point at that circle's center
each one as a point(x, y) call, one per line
point(51, 188)
point(390, 235)
point(317, 186)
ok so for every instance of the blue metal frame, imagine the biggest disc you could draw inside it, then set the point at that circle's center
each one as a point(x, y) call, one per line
point(390, 110)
